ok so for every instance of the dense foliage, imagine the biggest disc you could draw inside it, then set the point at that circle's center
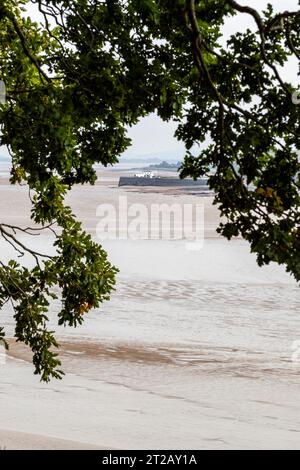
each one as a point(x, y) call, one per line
point(89, 69)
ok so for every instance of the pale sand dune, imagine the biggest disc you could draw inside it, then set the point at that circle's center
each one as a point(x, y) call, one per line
point(13, 440)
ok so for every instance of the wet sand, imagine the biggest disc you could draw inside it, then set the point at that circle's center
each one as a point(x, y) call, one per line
point(12, 440)
point(193, 351)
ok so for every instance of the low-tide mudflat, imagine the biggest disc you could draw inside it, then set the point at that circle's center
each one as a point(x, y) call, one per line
point(195, 349)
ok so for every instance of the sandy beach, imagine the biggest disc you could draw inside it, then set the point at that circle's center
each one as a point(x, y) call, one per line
point(194, 351)
point(22, 441)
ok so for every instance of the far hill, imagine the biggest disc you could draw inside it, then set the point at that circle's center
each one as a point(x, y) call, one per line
point(165, 166)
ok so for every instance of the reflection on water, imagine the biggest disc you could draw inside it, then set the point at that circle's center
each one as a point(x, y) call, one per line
point(188, 363)
point(216, 328)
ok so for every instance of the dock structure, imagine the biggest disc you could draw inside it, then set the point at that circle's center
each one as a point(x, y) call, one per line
point(163, 182)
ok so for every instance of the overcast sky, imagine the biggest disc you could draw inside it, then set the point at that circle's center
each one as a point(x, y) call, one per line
point(152, 136)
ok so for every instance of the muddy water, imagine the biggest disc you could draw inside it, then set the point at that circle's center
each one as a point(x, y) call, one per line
point(195, 350)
